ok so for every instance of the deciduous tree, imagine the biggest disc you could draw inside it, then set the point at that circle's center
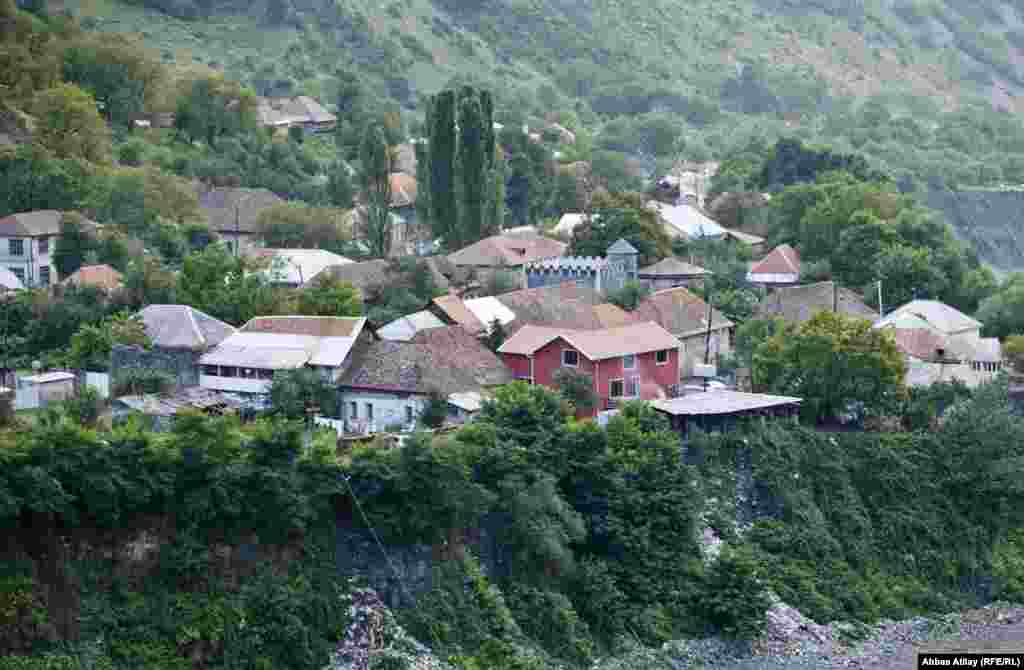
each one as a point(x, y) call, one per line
point(376, 177)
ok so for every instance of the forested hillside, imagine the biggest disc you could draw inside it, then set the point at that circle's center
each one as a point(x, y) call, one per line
point(914, 85)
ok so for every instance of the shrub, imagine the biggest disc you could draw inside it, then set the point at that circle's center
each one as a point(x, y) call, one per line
point(735, 600)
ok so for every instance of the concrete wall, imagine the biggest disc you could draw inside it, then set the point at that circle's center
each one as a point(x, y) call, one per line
point(693, 348)
point(182, 365)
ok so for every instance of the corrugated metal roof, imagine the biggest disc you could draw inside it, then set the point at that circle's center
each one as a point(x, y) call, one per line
point(470, 401)
point(456, 310)
point(182, 327)
point(721, 402)
point(672, 267)
point(489, 308)
point(332, 351)
point(49, 378)
point(405, 328)
point(266, 358)
point(940, 316)
point(297, 266)
point(686, 221)
point(596, 345)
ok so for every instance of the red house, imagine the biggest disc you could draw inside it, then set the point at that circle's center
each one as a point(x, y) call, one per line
point(636, 361)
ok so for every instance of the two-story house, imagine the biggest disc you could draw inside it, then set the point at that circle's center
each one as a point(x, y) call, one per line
point(27, 242)
point(635, 361)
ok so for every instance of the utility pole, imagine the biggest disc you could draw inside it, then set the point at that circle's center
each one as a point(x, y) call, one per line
point(881, 310)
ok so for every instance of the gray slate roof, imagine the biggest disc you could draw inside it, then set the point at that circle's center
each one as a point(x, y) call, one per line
point(622, 247)
point(34, 224)
point(796, 304)
point(721, 402)
point(448, 360)
point(219, 205)
point(182, 327)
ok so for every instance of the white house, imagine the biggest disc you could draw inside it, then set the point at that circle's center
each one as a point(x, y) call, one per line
point(27, 242)
point(246, 361)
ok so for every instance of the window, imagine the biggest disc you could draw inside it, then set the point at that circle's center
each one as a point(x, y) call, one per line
point(661, 357)
point(353, 410)
point(615, 388)
point(369, 411)
point(44, 245)
point(16, 247)
point(570, 358)
point(44, 275)
point(629, 362)
point(228, 371)
point(408, 414)
point(633, 388)
point(211, 371)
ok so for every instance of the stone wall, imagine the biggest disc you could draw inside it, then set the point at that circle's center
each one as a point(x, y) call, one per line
point(181, 365)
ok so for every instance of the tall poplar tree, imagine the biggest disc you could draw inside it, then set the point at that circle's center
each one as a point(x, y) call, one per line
point(474, 168)
point(441, 134)
point(376, 177)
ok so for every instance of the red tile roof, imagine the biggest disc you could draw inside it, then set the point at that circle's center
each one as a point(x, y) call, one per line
point(636, 338)
point(403, 189)
point(680, 312)
point(781, 260)
point(508, 250)
point(97, 276)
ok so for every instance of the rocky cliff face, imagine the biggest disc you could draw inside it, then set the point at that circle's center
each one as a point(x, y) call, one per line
point(993, 220)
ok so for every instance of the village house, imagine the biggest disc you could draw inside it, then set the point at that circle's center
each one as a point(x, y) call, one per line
point(509, 252)
point(635, 361)
point(299, 112)
point(295, 267)
point(27, 243)
point(685, 315)
point(796, 304)
point(370, 277)
point(781, 267)
point(246, 361)
point(671, 273)
point(722, 410)
point(388, 383)
point(686, 221)
point(567, 305)
point(408, 236)
point(180, 335)
point(233, 214)
point(942, 343)
point(102, 277)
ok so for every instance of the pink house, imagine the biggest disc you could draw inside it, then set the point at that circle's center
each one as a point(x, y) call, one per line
point(636, 361)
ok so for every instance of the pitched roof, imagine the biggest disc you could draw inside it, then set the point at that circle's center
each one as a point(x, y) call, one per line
point(672, 267)
point(570, 221)
point(721, 402)
point(507, 250)
point(448, 360)
point(405, 328)
point(680, 311)
point(315, 326)
point(566, 305)
point(796, 304)
point(921, 343)
point(596, 345)
point(741, 236)
point(455, 309)
point(781, 260)
point(298, 266)
point(182, 327)
point(367, 276)
point(34, 224)
point(287, 111)
point(621, 246)
point(686, 221)
point(403, 189)
point(938, 315)
point(221, 204)
point(98, 276)
point(287, 342)
point(9, 281)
